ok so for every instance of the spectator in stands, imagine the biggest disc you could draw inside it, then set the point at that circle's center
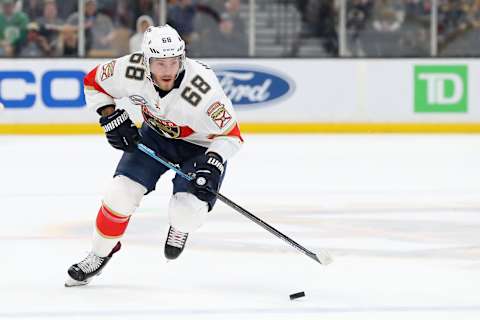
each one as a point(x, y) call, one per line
point(108, 7)
point(233, 31)
point(452, 17)
point(230, 41)
point(123, 14)
point(216, 5)
point(324, 25)
point(180, 16)
point(66, 8)
point(358, 14)
point(50, 23)
point(385, 33)
point(302, 8)
point(224, 41)
point(388, 15)
point(36, 44)
point(33, 9)
point(67, 45)
point(50, 14)
point(415, 38)
point(232, 7)
point(417, 9)
point(143, 22)
point(320, 22)
point(205, 25)
point(475, 14)
point(217, 33)
point(119, 38)
point(97, 29)
point(146, 7)
point(458, 23)
point(13, 28)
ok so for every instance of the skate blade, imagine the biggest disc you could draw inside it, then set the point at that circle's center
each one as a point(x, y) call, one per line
point(70, 282)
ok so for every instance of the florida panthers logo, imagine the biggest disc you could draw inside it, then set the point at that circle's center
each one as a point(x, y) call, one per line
point(164, 127)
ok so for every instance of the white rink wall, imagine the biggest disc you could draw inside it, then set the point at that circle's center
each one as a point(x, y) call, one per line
point(303, 94)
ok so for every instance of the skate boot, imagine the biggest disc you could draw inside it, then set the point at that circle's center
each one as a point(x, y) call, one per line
point(82, 273)
point(175, 243)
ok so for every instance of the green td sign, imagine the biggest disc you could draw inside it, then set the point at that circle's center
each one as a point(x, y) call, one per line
point(441, 88)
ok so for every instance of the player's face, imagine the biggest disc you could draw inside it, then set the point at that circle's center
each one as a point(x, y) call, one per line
point(164, 71)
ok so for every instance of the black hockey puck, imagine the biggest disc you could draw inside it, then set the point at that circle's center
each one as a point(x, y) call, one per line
point(297, 295)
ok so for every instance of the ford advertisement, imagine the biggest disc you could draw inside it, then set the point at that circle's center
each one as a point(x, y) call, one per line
point(253, 86)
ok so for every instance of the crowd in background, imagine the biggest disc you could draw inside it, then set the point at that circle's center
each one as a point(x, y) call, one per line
point(393, 27)
point(49, 28)
point(389, 27)
point(402, 27)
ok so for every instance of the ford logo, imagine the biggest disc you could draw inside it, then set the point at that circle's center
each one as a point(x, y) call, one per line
point(252, 86)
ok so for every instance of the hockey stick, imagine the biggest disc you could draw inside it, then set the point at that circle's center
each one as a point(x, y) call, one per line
point(322, 258)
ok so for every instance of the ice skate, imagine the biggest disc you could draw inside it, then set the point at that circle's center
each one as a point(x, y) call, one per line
point(82, 273)
point(175, 243)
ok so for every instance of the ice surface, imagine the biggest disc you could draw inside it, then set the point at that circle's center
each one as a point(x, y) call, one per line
point(400, 215)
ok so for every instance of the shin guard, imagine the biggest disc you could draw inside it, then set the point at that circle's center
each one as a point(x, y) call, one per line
point(111, 224)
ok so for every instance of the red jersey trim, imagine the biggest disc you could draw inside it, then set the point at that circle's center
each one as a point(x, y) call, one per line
point(235, 132)
point(90, 81)
point(185, 131)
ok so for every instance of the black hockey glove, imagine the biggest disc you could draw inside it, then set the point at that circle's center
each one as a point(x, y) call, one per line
point(208, 169)
point(121, 132)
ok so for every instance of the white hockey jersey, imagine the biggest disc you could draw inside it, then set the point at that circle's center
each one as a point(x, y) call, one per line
point(197, 111)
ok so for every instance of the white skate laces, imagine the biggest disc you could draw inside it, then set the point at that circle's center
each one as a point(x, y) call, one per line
point(176, 238)
point(91, 263)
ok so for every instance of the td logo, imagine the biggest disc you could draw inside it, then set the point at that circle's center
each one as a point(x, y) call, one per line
point(441, 88)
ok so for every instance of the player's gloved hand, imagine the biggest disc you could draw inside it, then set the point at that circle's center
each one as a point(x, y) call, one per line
point(121, 132)
point(208, 169)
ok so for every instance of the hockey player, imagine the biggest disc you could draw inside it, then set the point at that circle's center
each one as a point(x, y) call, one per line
point(187, 119)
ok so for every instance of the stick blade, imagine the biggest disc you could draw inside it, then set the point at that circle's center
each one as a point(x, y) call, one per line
point(323, 258)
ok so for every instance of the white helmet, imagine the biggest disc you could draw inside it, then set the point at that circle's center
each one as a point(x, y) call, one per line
point(162, 42)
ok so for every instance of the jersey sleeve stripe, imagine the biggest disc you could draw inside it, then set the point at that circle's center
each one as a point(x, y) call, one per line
point(90, 82)
point(235, 132)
